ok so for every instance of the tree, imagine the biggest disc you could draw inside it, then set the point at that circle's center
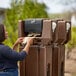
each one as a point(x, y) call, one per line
point(20, 10)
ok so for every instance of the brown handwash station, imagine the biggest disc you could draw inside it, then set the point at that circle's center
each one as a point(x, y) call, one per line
point(47, 54)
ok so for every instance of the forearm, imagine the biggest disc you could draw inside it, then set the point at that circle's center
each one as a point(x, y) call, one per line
point(26, 48)
point(18, 41)
point(15, 46)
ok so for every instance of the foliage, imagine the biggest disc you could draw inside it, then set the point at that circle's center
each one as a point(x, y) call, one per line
point(20, 10)
point(64, 15)
point(72, 42)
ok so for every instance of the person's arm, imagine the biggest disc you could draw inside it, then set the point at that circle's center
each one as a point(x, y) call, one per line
point(10, 54)
point(19, 40)
point(15, 46)
point(29, 42)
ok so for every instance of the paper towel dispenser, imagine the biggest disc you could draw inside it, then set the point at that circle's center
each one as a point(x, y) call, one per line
point(33, 26)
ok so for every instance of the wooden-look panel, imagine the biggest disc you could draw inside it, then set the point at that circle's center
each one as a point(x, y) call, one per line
point(22, 68)
point(45, 61)
point(55, 61)
point(21, 29)
point(42, 62)
point(31, 62)
point(60, 32)
point(62, 59)
point(58, 60)
point(49, 60)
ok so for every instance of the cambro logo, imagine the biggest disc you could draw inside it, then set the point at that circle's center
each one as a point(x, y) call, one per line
point(32, 21)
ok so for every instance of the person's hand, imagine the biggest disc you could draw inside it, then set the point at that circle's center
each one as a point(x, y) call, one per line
point(19, 40)
point(28, 40)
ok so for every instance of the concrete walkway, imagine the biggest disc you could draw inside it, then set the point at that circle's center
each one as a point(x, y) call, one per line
point(70, 64)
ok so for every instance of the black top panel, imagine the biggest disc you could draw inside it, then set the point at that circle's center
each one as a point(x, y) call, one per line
point(33, 25)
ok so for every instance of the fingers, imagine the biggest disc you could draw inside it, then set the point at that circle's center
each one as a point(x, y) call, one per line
point(28, 40)
point(25, 40)
point(20, 40)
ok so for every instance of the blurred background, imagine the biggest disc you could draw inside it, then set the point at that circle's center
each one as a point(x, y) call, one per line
point(13, 10)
